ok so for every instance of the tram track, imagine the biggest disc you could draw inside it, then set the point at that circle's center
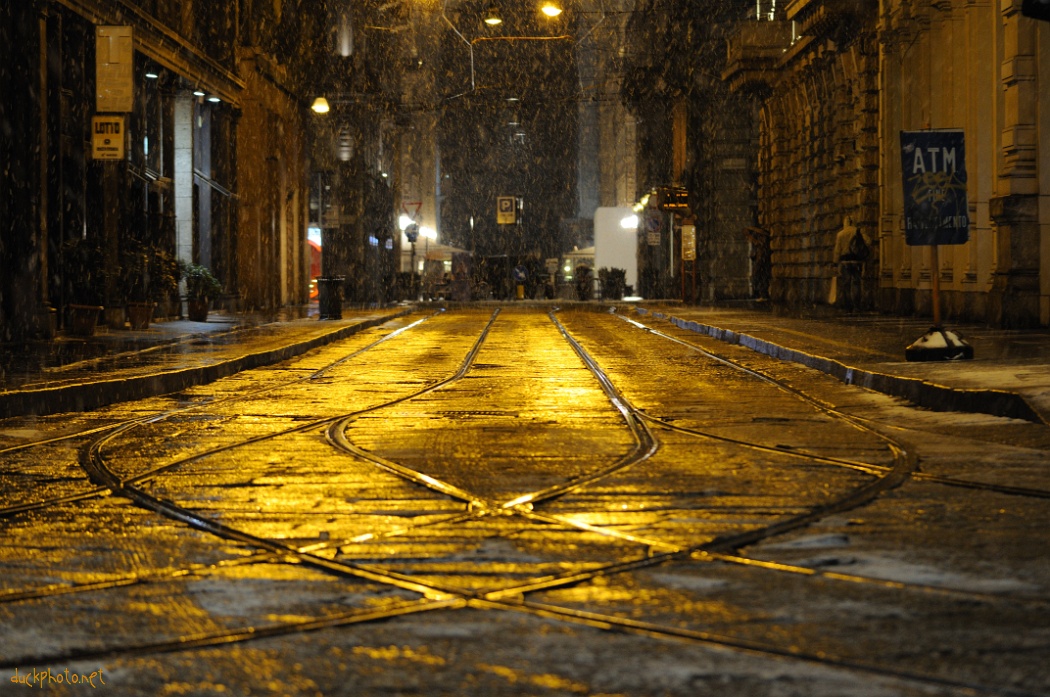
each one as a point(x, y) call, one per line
point(127, 424)
point(716, 551)
point(916, 475)
point(94, 462)
point(613, 623)
point(527, 505)
point(886, 478)
point(111, 484)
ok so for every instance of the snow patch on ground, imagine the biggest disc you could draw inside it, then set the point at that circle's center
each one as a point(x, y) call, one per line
point(692, 583)
point(888, 568)
point(771, 679)
point(21, 433)
point(827, 541)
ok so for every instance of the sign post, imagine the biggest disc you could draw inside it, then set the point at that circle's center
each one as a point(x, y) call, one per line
point(412, 234)
point(689, 253)
point(933, 165)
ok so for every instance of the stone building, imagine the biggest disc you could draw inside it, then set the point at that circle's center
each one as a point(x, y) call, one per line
point(836, 81)
point(215, 163)
point(692, 132)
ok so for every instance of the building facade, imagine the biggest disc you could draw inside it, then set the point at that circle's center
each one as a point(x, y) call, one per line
point(691, 131)
point(836, 82)
point(214, 168)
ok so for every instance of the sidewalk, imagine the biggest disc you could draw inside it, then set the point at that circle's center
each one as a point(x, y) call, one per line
point(1009, 375)
point(79, 373)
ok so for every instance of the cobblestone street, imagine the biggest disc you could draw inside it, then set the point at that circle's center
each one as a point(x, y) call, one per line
point(511, 500)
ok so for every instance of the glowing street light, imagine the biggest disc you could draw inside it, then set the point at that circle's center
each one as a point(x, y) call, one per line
point(550, 9)
point(320, 105)
point(492, 16)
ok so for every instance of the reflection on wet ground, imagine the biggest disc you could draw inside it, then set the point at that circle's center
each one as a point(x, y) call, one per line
point(491, 511)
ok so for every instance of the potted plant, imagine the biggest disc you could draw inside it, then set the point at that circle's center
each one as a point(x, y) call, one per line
point(165, 273)
point(135, 282)
point(613, 282)
point(201, 288)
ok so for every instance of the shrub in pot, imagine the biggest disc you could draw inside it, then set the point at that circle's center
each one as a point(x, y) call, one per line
point(201, 288)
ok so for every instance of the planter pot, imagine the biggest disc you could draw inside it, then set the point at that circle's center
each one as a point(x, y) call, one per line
point(83, 319)
point(197, 310)
point(140, 314)
point(115, 317)
point(166, 308)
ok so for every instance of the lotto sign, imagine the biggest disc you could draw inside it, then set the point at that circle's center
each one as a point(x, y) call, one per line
point(933, 165)
point(107, 137)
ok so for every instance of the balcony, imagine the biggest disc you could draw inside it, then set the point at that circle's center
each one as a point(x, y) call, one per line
point(754, 53)
point(812, 17)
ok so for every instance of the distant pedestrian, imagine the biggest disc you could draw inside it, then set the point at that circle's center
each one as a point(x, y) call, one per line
point(852, 250)
point(584, 282)
point(761, 268)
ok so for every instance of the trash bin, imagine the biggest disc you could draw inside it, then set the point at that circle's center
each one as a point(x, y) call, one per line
point(330, 297)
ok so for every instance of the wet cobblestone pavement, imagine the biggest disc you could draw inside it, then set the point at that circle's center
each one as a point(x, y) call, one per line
point(506, 500)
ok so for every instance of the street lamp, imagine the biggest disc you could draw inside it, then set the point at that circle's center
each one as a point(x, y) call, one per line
point(492, 16)
point(320, 105)
point(550, 9)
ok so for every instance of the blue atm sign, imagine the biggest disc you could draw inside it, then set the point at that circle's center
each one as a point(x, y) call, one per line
point(933, 164)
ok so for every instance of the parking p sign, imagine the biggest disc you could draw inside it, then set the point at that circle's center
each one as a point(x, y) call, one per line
point(506, 210)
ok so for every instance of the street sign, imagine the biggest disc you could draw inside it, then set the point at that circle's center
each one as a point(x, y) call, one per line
point(688, 243)
point(114, 79)
point(506, 210)
point(673, 199)
point(653, 225)
point(107, 137)
point(933, 165)
point(411, 208)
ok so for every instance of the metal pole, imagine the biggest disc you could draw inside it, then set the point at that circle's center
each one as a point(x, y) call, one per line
point(412, 263)
point(682, 262)
point(935, 278)
point(670, 249)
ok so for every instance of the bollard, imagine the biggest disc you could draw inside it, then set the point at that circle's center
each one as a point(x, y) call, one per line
point(330, 297)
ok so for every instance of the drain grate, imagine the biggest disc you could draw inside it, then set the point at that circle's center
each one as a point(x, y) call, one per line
point(478, 412)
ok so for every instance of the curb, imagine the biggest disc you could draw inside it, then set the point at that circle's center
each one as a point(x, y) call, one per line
point(917, 391)
point(92, 395)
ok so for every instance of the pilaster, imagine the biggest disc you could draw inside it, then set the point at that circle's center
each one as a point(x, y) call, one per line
point(24, 308)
